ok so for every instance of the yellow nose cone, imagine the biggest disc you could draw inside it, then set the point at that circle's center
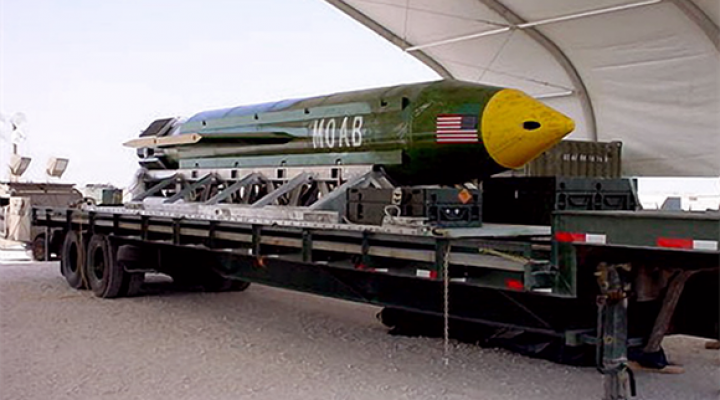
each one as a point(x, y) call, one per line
point(517, 128)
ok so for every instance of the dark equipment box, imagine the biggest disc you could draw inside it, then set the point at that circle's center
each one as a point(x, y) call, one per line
point(442, 207)
point(531, 200)
point(575, 158)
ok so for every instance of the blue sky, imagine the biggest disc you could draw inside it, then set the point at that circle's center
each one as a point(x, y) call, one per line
point(90, 75)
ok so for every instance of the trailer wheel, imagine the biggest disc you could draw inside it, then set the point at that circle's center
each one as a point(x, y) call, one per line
point(38, 248)
point(105, 276)
point(239, 286)
point(134, 260)
point(72, 260)
point(133, 283)
point(208, 282)
point(216, 283)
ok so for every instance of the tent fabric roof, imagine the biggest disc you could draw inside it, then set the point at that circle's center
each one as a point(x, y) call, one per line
point(646, 72)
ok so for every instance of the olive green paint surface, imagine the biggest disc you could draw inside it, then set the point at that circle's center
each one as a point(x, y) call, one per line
point(394, 119)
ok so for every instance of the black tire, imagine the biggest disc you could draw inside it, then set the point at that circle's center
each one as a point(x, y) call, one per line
point(133, 283)
point(106, 278)
point(130, 254)
point(131, 258)
point(239, 286)
point(72, 260)
point(208, 282)
point(38, 248)
point(137, 259)
point(213, 282)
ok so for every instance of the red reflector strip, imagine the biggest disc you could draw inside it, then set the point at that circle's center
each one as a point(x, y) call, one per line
point(568, 237)
point(675, 243)
point(514, 284)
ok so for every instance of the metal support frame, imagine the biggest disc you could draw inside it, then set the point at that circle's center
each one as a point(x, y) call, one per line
point(286, 188)
point(91, 222)
point(249, 179)
point(144, 223)
point(116, 224)
point(212, 233)
point(307, 245)
point(301, 189)
point(230, 190)
point(333, 199)
point(365, 249)
point(191, 188)
point(256, 240)
point(380, 179)
point(176, 231)
point(294, 196)
point(158, 187)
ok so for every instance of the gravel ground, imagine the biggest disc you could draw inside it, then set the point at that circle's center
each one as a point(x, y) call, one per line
point(266, 343)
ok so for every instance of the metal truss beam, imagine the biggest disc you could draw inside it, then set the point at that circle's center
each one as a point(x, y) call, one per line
point(698, 16)
point(286, 188)
point(190, 188)
point(155, 189)
point(227, 192)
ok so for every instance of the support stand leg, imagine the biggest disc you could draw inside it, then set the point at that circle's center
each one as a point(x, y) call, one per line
point(672, 296)
point(618, 381)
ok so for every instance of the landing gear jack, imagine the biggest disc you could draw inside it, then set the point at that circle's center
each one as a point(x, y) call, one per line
point(619, 382)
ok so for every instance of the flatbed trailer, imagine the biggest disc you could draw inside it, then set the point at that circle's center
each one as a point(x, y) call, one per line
point(608, 277)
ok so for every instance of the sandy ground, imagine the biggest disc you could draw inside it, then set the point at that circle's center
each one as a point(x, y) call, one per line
point(265, 343)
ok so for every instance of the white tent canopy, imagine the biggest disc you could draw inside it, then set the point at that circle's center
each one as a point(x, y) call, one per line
point(646, 73)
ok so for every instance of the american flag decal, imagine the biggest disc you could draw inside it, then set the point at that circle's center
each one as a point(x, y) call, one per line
point(456, 128)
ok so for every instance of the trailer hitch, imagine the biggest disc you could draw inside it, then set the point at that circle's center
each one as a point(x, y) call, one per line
point(612, 341)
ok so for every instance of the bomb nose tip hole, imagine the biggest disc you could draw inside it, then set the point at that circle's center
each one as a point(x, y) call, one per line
point(531, 125)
